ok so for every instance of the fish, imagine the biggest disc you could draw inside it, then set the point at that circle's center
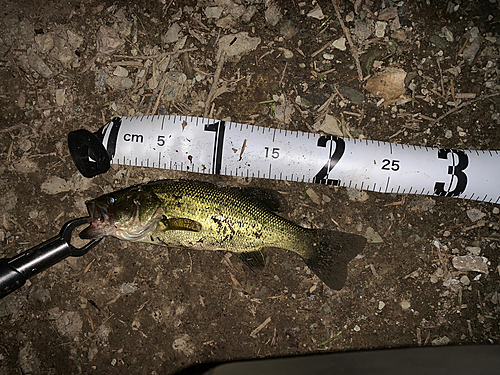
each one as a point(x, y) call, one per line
point(201, 216)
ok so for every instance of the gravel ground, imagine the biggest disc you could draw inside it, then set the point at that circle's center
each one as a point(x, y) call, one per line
point(422, 73)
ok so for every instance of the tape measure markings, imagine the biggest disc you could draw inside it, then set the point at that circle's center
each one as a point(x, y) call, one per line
point(219, 147)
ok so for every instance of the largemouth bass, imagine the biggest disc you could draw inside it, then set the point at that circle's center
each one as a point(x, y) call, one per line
point(202, 216)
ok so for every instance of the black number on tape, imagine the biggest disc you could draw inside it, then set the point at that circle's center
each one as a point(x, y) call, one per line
point(219, 128)
point(456, 172)
point(321, 176)
point(390, 165)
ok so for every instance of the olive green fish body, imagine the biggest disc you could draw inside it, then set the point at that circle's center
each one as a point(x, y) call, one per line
point(228, 220)
point(204, 217)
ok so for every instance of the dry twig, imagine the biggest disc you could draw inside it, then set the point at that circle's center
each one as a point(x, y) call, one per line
point(213, 89)
point(354, 49)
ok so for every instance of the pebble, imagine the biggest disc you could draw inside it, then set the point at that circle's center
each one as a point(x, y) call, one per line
point(120, 71)
point(44, 42)
point(473, 250)
point(273, 14)
point(381, 305)
point(465, 280)
point(60, 97)
point(330, 125)
point(357, 328)
point(440, 341)
point(362, 30)
point(172, 34)
point(328, 56)
point(496, 211)
point(108, 41)
point(74, 39)
point(340, 44)
point(237, 44)
point(38, 65)
point(474, 214)
point(372, 236)
point(471, 263)
point(127, 288)
point(69, 324)
point(380, 27)
point(317, 13)
point(313, 195)
point(213, 12)
point(388, 84)
point(357, 195)
point(405, 305)
point(448, 134)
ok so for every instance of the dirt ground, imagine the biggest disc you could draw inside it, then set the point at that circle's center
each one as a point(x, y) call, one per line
point(143, 309)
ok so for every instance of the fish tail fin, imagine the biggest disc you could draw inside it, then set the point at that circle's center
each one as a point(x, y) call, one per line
point(329, 252)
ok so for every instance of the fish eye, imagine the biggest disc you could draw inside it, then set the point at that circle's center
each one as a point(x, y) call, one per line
point(111, 200)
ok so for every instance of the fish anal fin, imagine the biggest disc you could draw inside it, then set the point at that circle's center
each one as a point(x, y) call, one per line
point(256, 259)
point(180, 223)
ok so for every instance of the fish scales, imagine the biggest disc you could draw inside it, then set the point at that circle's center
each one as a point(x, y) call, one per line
point(202, 216)
point(229, 221)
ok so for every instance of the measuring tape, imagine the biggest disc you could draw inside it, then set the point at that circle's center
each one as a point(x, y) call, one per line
point(208, 146)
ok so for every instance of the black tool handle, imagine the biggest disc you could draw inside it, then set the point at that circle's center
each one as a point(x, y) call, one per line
point(15, 271)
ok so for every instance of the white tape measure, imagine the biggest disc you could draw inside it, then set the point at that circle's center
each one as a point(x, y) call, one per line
point(209, 146)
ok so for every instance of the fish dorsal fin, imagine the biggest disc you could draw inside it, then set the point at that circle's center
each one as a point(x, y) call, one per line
point(180, 223)
point(256, 259)
point(269, 199)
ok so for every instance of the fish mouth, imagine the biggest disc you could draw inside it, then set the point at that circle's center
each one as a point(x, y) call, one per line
point(99, 221)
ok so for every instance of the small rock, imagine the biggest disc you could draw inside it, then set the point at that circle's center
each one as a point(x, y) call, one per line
point(38, 65)
point(473, 46)
point(120, 71)
point(340, 44)
point(108, 41)
point(474, 214)
point(380, 27)
point(287, 54)
point(354, 96)
point(446, 33)
point(249, 13)
point(54, 185)
point(473, 250)
point(448, 134)
point(316, 13)
point(440, 341)
point(273, 14)
point(172, 34)
point(237, 44)
point(328, 126)
point(405, 305)
point(388, 84)
point(372, 236)
point(313, 195)
point(357, 195)
point(357, 328)
point(183, 345)
point(60, 97)
point(496, 211)
point(213, 12)
point(74, 39)
point(44, 42)
point(127, 288)
point(362, 29)
point(28, 360)
point(421, 203)
point(465, 280)
point(471, 263)
point(381, 305)
point(69, 324)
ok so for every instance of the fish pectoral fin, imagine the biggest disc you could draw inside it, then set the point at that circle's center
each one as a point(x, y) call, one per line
point(256, 259)
point(180, 223)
